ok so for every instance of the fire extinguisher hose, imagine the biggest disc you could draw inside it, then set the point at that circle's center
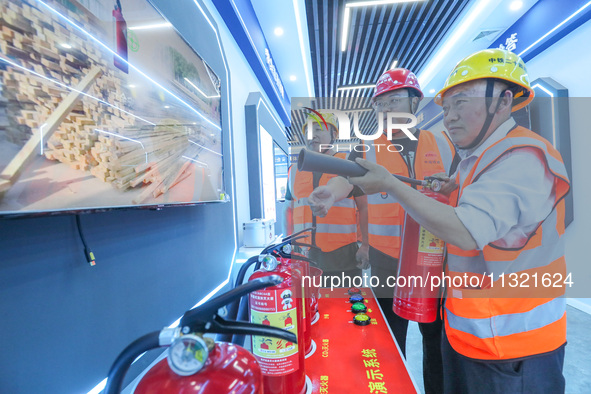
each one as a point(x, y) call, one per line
point(126, 358)
point(233, 308)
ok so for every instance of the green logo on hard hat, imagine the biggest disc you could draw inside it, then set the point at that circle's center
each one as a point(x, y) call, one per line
point(317, 116)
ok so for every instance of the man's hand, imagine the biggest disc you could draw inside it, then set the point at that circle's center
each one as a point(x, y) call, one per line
point(321, 200)
point(375, 180)
point(448, 184)
point(362, 257)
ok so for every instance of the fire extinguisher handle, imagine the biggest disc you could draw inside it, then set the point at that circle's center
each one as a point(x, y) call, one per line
point(222, 326)
point(279, 247)
point(291, 237)
point(206, 312)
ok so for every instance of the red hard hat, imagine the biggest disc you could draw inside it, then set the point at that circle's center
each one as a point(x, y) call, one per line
point(397, 78)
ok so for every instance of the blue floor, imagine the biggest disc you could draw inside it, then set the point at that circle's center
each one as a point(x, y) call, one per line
point(577, 363)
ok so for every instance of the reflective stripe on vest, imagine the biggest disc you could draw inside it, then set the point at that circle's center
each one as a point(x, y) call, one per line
point(385, 215)
point(489, 262)
point(508, 312)
point(385, 230)
point(338, 228)
point(509, 324)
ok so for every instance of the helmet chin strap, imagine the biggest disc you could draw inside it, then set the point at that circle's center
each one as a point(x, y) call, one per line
point(490, 84)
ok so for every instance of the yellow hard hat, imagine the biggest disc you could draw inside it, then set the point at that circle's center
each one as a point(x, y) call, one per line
point(492, 63)
point(327, 117)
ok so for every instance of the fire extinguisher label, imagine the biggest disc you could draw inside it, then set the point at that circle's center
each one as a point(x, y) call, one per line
point(275, 308)
point(430, 249)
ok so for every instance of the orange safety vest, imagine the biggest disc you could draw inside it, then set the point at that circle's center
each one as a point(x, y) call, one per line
point(337, 229)
point(434, 154)
point(501, 318)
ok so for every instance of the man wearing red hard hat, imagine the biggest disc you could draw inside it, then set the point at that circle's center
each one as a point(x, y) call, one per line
point(397, 90)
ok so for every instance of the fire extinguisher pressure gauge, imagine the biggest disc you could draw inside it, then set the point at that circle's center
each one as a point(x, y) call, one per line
point(187, 355)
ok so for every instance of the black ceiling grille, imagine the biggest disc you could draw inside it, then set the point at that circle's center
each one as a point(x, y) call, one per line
point(378, 35)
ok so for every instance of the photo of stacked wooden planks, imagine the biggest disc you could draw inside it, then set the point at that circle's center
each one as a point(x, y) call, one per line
point(51, 105)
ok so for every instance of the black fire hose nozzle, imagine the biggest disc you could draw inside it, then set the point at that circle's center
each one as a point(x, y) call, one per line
point(319, 162)
point(312, 161)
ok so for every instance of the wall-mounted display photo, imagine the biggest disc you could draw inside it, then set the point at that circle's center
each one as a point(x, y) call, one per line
point(103, 105)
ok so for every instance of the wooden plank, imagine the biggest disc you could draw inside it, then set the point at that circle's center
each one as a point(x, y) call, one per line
point(12, 171)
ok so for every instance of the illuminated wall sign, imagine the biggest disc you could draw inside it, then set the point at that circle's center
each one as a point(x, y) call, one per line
point(242, 22)
point(544, 24)
point(274, 73)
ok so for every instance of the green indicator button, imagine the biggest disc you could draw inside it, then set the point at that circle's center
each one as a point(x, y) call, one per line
point(358, 307)
point(361, 319)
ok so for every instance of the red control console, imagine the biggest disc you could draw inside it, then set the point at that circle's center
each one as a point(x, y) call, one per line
point(355, 357)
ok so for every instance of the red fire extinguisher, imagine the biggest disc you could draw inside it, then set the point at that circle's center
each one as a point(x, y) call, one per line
point(421, 256)
point(302, 266)
point(282, 362)
point(120, 60)
point(283, 252)
point(196, 364)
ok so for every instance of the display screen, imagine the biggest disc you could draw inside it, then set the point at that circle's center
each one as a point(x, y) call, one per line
point(103, 105)
point(281, 172)
point(268, 173)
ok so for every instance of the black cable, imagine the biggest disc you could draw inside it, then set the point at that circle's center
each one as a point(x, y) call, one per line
point(87, 252)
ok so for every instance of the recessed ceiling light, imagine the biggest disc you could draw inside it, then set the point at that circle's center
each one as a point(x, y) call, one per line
point(278, 31)
point(131, 86)
point(516, 5)
point(432, 91)
point(292, 78)
point(167, 106)
point(67, 46)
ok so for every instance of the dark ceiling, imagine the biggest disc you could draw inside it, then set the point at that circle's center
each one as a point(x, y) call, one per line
point(378, 35)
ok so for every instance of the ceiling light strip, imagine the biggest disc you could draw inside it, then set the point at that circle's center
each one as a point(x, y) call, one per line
point(379, 2)
point(346, 18)
point(355, 87)
point(348, 6)
point(554, 29)
point(149, 27)
point(302, 48)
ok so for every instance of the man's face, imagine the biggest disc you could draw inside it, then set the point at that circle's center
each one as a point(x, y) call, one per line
point(320, 136)
point(394, 101)
point(464, 111)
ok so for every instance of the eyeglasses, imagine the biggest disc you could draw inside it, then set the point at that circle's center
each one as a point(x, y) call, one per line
point(388, 103)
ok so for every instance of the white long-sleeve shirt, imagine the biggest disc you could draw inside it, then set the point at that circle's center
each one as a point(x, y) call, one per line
point(509, 199)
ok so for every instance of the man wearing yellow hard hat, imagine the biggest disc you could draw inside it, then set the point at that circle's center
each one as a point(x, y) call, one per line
point(505, 330)
point(333, 243)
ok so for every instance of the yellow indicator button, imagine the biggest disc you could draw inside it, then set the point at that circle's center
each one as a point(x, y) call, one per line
point(361, 319)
